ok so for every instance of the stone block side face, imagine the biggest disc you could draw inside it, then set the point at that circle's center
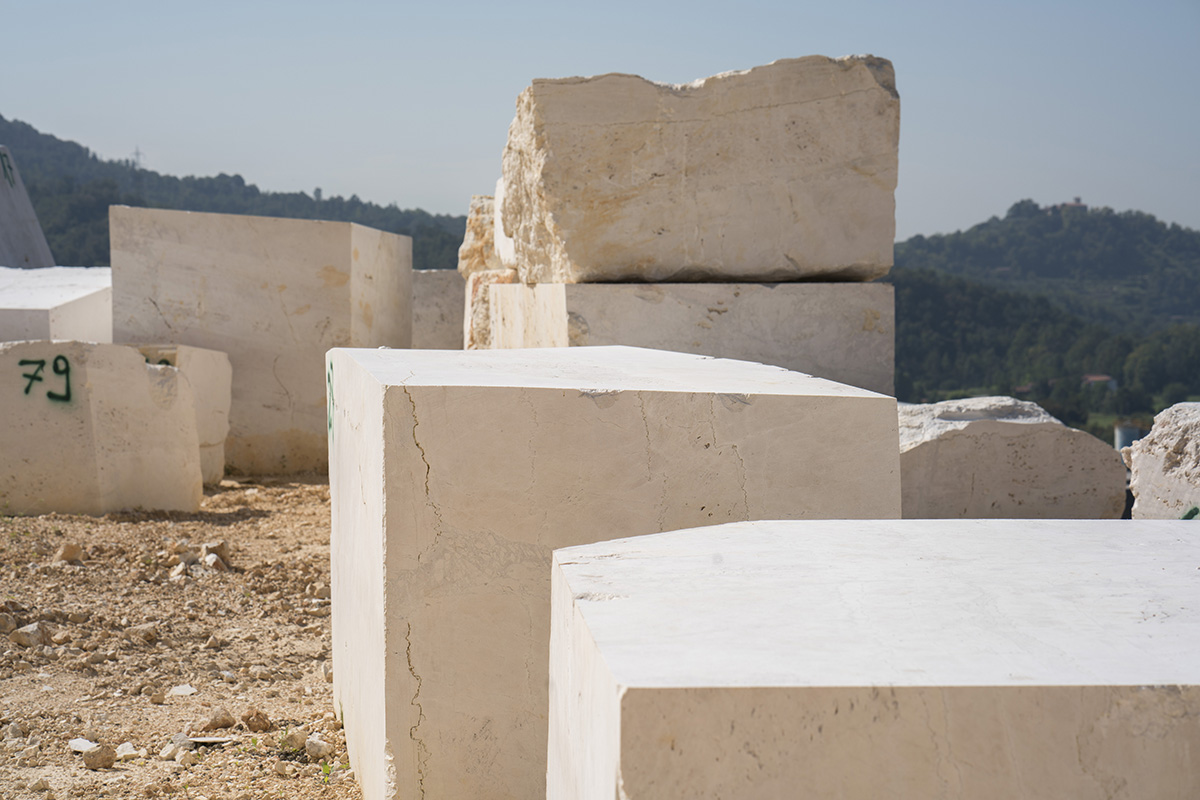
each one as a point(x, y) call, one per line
point(528, 316)
point(85, 319)
point(381, 291)
point(129, 426)
point(274, 294)
point(997, 470)
point(438, 301)
point(475, 504)
point(1165, 465)
point(993, 744)
point(477, 312)
point(583, 761)
point(22, 243)
point(362, 639)
point(780, 172)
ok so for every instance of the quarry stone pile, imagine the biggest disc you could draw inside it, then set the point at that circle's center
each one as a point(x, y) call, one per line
point(92, 428)
point(56, 303)
point(1165, 465)
point(947, 658)
point(998, 457)
point(22, 243)
point(275, 294)
point(454, 474)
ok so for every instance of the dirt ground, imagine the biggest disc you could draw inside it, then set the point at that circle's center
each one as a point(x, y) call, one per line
point(140, 621)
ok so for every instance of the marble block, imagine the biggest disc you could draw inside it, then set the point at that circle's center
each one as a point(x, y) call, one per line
point(983, 659)
point(437, 312)
point(454, 475)
point(782, 172)
point(841, 331)
point(56, 303)
point(275, 294)
point(211, 377)
point(92, 428)
point(1165, 465)
point(997, 457)
point(22, 243)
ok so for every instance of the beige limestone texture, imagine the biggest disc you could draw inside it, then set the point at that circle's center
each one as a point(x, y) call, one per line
point(1165, 465)
point(437, 312)
point(275, 294)
point(92, 428)
point(782, 172)
point(997, 457)
point(56, 303)
point(22, 243)
point(841, 331)
point(983, 659)
point(211, 376)
point(478, 252)
point(506, 249)
point(454, 474)
point(477, 310)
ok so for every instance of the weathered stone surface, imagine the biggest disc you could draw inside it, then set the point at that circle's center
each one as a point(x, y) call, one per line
point(910, 659)
point(445, 513)
point(92, 428)
point(841, 331)
point(275, 294)
point(781, 172)
point(993, 457)
point(478, 252)
point(211, 376)
point(56, 303)
point(22, 243)
point(1165, 465)
point(437, 309)
point(477, 315)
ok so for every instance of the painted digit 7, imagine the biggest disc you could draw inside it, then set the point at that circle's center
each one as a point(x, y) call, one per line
point(34, 376)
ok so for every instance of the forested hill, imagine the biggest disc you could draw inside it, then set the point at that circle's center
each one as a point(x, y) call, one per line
point(71, 189)
point(1127, 270)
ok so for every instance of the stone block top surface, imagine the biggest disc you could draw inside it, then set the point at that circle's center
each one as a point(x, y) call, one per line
point(594, 370)
point(896, 603)
point(50, 286)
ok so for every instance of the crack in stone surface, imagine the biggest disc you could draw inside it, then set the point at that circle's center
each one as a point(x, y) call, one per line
point(422, 750)
point(437, 512)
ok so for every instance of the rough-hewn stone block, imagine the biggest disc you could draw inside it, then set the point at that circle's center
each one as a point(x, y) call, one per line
point(275, 294)
point(454, 474)
point(56, 303)
point(998, 457)
point(912, 659)
point(477, 306)
point(1165, 465)
point(781, 172)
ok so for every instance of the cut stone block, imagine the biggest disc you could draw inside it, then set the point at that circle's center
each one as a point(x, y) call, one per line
point(841, 331)
point(477, 314)
point(275, 294)
point(781, 172)
point(454, 474)
point(914, 659)
point(211, 377)
point(996, 457)
point(478, 251)
point(56, 303)
point(1165, 465)
point(92, 428)
point(437, 314)
point(22, 243)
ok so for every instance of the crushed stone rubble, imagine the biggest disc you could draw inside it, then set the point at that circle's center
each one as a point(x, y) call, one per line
point(155, 654)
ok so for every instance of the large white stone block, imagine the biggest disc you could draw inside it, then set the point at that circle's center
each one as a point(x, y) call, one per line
point(275, 294)
point(781, 172)
point(996, 457)
point(56, 303)
point(1165, 465)
point(22, 243)
point(841, 331)
point(989, 660)
point(92, 428)
point(211, 377)
point(454, 474)
point(437, 313)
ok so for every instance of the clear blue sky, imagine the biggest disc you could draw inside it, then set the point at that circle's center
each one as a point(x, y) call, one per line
point(406, 103)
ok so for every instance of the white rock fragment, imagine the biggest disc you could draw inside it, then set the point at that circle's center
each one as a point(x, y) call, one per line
point(185, 758)
point(182, 690)
point(317, 749)
point(69, 553)
point(127, 752)
point(780, 172)
point(997, 457)
point(1165, 465)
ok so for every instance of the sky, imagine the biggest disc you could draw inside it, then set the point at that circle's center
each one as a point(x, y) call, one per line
point(408, 103)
